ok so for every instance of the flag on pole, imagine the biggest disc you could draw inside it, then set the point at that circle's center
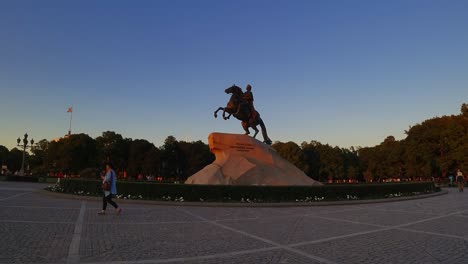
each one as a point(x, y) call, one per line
point(70, 109)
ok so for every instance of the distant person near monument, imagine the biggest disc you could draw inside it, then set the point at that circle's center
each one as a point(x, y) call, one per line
point(460, 180)
point(450, 179)
point(240, 106)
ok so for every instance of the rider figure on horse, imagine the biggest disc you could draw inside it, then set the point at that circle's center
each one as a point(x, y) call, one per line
point(241, 107)
point(248, 98)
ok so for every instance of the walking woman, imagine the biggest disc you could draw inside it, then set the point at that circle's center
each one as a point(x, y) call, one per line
point(460, 180)
point(109, 183)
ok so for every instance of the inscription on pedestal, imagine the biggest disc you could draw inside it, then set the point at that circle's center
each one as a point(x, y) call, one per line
point(243, 147)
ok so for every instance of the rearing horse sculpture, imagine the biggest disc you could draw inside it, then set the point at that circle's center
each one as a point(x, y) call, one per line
point(240, 109)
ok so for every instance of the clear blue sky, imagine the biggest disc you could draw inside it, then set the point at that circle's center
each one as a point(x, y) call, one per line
point(346, 73)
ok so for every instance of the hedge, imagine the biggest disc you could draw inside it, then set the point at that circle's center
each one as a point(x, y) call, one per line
point(28, 178)
point(230, 193)
point(22, 178)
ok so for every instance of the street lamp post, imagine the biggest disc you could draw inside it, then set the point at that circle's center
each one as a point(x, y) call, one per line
point(24, 146)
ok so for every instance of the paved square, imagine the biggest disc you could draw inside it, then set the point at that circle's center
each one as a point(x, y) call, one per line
point(36, 227)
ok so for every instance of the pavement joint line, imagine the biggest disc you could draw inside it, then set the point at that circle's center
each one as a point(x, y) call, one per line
point(383, 226)
point(216, 220)
point(34, 222)
point(315, 215)
point(430, 219)
point(174, 258)
point(397, 226)
point(284, 247)
point(145, 223)
point(74, 249)
point(344, 210)
point(432, 233)
point(271, 217)
point(152, 222)
point(348, 221)
point(17, 189)
point(219, 220)
point(400, 211)
point(431, 254)
point(371, 231)
point(14, 196)
point(39, 207)
point(283, 216)
point(185, 259)
point(190, 222)
point(338, 237)
point(460, 215)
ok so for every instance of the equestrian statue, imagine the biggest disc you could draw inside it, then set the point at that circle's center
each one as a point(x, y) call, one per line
point(240, 105)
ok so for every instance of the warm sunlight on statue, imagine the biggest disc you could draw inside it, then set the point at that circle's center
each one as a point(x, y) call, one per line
point(240, 105)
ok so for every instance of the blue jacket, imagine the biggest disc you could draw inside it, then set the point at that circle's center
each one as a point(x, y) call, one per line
point(110, 177)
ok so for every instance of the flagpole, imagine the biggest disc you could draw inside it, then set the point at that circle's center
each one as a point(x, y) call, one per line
point(71, 116)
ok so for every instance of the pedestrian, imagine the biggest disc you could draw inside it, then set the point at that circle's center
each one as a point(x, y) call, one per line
point(460, 180)
point(109, 179)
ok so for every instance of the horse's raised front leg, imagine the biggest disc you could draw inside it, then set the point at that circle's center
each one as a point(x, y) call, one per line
point(216, 112)
point(224, 114)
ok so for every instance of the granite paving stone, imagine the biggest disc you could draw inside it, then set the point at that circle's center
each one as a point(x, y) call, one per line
point(296, 229)
point(270, 257)
point(137, 215)
point(391, 246)
point(38, 214)
point(154, 241)
point(34, 243)
point(36, 227)
point(453, 225)
point(377, 217)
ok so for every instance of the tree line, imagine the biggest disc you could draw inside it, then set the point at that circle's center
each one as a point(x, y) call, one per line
point(79, 154)
point(434, 148)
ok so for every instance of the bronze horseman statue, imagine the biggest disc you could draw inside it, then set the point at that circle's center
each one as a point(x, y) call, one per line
point(241, 107)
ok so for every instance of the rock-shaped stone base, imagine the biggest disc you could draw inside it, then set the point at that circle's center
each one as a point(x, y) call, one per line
point(243, 160)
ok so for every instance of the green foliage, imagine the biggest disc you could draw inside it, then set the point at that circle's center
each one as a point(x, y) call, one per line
point(290, 151)
point(196, 155)
point(383, 161)
point(464, 110)
point(72, 154)
point(173, 159)
point(92, 173)
point(151, 161)
point(3, 155)
point(143, 157)
point(113, 147)
point(230, 193)
point(437, 147)
point(39, 152)
point(321, 162)
point(434, 148)
point(14, 159)
point(80, 154)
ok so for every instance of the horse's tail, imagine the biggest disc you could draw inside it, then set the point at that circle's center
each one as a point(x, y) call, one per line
point(266, 139)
